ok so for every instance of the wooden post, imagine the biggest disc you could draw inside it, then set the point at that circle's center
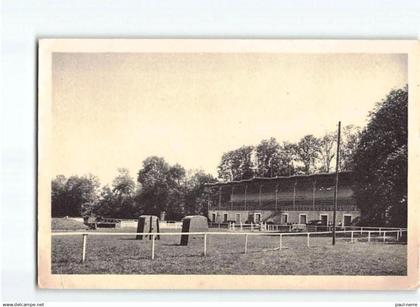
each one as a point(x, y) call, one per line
point(252, 226)
point(205, 244)
point(281, 243)
point(233, 226)
point(307, 240)
point(84, 248)
point(246, 243)
point(368, 236)
point(384, 236)
point(398, 235)
point(380, 228)
point(240, 224)
point(153, 246)
point(351, 240)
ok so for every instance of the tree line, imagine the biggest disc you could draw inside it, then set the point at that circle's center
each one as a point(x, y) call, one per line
point(377, 154)
point(160, 187)
point(270, 158)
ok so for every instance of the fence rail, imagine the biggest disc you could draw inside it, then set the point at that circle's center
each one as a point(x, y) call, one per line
point(381, 234)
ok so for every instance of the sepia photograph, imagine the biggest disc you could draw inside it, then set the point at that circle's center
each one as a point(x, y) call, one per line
point(225, 164)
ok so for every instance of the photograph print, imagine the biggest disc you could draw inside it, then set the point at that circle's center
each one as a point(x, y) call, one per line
point(224, 161)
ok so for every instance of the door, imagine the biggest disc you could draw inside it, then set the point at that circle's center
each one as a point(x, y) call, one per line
point(238, 218)
point(284, 218)
point(213, 218)
point(347, 220)
point(324, 219)
point(302, 219)
point(225, 218)
point(257, 218)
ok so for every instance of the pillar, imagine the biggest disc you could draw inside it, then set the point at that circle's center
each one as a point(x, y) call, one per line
point(313, 194)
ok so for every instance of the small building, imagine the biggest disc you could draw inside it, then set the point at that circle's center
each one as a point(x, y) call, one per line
point(284, 200)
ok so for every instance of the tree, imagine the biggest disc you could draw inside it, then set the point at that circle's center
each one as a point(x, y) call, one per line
point(161, 188)
point(274, 159)
point(69, 196)
point(287, 158)
point(195, 198)
point(123, 184)
point(268, 158)
point(237, 164)
point(327, 151)
point(380, 163)
point(307, 151)
point(58, 196)
point(123, 194)
point(350, 139)
point(106, 205)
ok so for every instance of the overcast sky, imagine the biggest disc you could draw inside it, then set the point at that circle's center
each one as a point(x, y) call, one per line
point(113, 110)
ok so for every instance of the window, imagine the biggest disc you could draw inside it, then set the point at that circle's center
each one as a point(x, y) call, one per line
point(257, 218)
point(346, 220)
point(213, 217)
point(225, 218)
point(238, 218)
point(302, 218)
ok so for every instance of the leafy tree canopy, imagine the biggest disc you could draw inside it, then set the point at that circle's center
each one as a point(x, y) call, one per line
point(380, 162)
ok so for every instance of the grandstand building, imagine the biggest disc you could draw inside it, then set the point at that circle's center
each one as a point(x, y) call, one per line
point(284, 200)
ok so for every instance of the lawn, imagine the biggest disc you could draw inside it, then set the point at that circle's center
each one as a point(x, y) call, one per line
point(225, 255)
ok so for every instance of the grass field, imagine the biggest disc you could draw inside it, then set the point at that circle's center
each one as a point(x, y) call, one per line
point(225, 255)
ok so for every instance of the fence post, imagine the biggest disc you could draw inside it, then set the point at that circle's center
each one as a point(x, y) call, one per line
point(246, 243)
point(84, 248)
point(307, 239)
point(290, 228)
point(384, 236)
point(153, 247)
point(380, 228)
point(205, 244)
point(368, 236)
point(398, 235)
point(281, 243)
point(351, 240)
point(252, 228)
point(233, 226)
point(240, 225)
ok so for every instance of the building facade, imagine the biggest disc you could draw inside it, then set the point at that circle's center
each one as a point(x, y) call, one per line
point(284, 200)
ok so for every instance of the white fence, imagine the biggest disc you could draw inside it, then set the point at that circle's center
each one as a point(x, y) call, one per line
point(382, 235)
point(302, 227)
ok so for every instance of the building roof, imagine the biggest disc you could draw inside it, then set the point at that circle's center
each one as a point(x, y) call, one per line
point(265, 179)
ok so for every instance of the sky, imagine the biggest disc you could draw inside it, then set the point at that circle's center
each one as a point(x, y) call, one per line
point(113, 110)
